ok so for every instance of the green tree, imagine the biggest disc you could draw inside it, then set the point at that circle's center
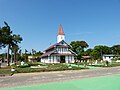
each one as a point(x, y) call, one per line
point(9, 39)
point(83, 45)
point(1, 38)
point(78, 47)
point(16, 39)
point(98, 51)
point(95, 54)
point(116, 49)
point(39, 53)
point(14, 50)
point(88, 52)
point(75, 46)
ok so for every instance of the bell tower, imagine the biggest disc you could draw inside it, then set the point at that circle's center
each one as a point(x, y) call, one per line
point(61, 35)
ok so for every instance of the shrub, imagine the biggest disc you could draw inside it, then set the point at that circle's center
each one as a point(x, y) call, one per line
point(5, 71)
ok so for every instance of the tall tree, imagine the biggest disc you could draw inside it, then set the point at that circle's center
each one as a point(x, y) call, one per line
point(88, 52)
point(9, 39)
point(98, 51)
point(15, 49)
point(1, 39)
point(75, 46)
point(78, 47)
point(116, 49)
point(83, 45)
point(16, 39)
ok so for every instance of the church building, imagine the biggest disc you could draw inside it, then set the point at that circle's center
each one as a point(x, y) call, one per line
point(60, 52)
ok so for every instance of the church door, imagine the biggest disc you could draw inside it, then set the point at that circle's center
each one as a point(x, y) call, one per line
point(62, 59)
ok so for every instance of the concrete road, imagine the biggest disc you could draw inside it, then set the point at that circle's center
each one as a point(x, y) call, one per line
point(26, 79)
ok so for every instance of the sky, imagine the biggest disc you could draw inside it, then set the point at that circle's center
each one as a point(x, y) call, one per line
point(95, 21)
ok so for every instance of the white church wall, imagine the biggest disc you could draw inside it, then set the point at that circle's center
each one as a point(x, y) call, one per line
point(60, 38)
point(63, 50)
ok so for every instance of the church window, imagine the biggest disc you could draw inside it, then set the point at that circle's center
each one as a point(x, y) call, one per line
point(62, 49)
point(50, 58)
point(68, 57)
point(53, 58)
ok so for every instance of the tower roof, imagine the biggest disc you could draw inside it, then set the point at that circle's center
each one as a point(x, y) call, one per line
point(61, 32)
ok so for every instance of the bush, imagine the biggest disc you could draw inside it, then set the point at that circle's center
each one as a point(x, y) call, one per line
point(23, 66)
point(28, 70)
point(5, 71)
point(51, 67)
point(36, 64)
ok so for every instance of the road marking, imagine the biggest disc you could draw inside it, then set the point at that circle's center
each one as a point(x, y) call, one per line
point(60, 75)
point(43, 77)
point(118, 69)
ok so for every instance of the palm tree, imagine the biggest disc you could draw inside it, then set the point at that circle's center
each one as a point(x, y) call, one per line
point(15, 49)
point(9, 39)
point(16, 39)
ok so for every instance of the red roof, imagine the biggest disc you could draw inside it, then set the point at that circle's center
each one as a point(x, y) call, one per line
point(61, 32)
point(51, 47)
point(47, 53)
point(58, 54)
point(63, 54)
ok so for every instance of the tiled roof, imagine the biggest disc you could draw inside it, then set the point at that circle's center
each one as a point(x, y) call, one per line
point(47, 53)
point(63, 54)
point(51, 47)
point(61, 32)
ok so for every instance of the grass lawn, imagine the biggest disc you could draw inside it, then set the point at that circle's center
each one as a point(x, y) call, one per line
point(97, 83)
point(82, 66)
point(49, 67)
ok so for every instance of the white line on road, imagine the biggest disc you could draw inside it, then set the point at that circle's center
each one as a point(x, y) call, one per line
point(60, 75)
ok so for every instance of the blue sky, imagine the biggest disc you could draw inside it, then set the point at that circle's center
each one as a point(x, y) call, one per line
point(37, 21)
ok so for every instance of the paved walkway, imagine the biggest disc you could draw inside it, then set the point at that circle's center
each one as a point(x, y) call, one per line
point(49, 77)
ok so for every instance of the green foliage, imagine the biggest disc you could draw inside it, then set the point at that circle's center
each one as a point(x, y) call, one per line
point(98, 51)
point(39, 53)
point(23, 66)
point(116, 49)
point(51, 67)
point(88, 52)
point(5, 71)
point(35, 64)
point(95, 54)
point(78, 47)
point(7, 38)
point(83, 45)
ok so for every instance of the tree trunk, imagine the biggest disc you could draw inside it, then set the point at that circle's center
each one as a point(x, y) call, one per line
point(8, 59)
point(85, 63)
point(15, 57)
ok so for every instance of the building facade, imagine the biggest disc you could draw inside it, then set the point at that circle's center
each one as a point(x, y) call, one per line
point(108, 57)
point(60, 52)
